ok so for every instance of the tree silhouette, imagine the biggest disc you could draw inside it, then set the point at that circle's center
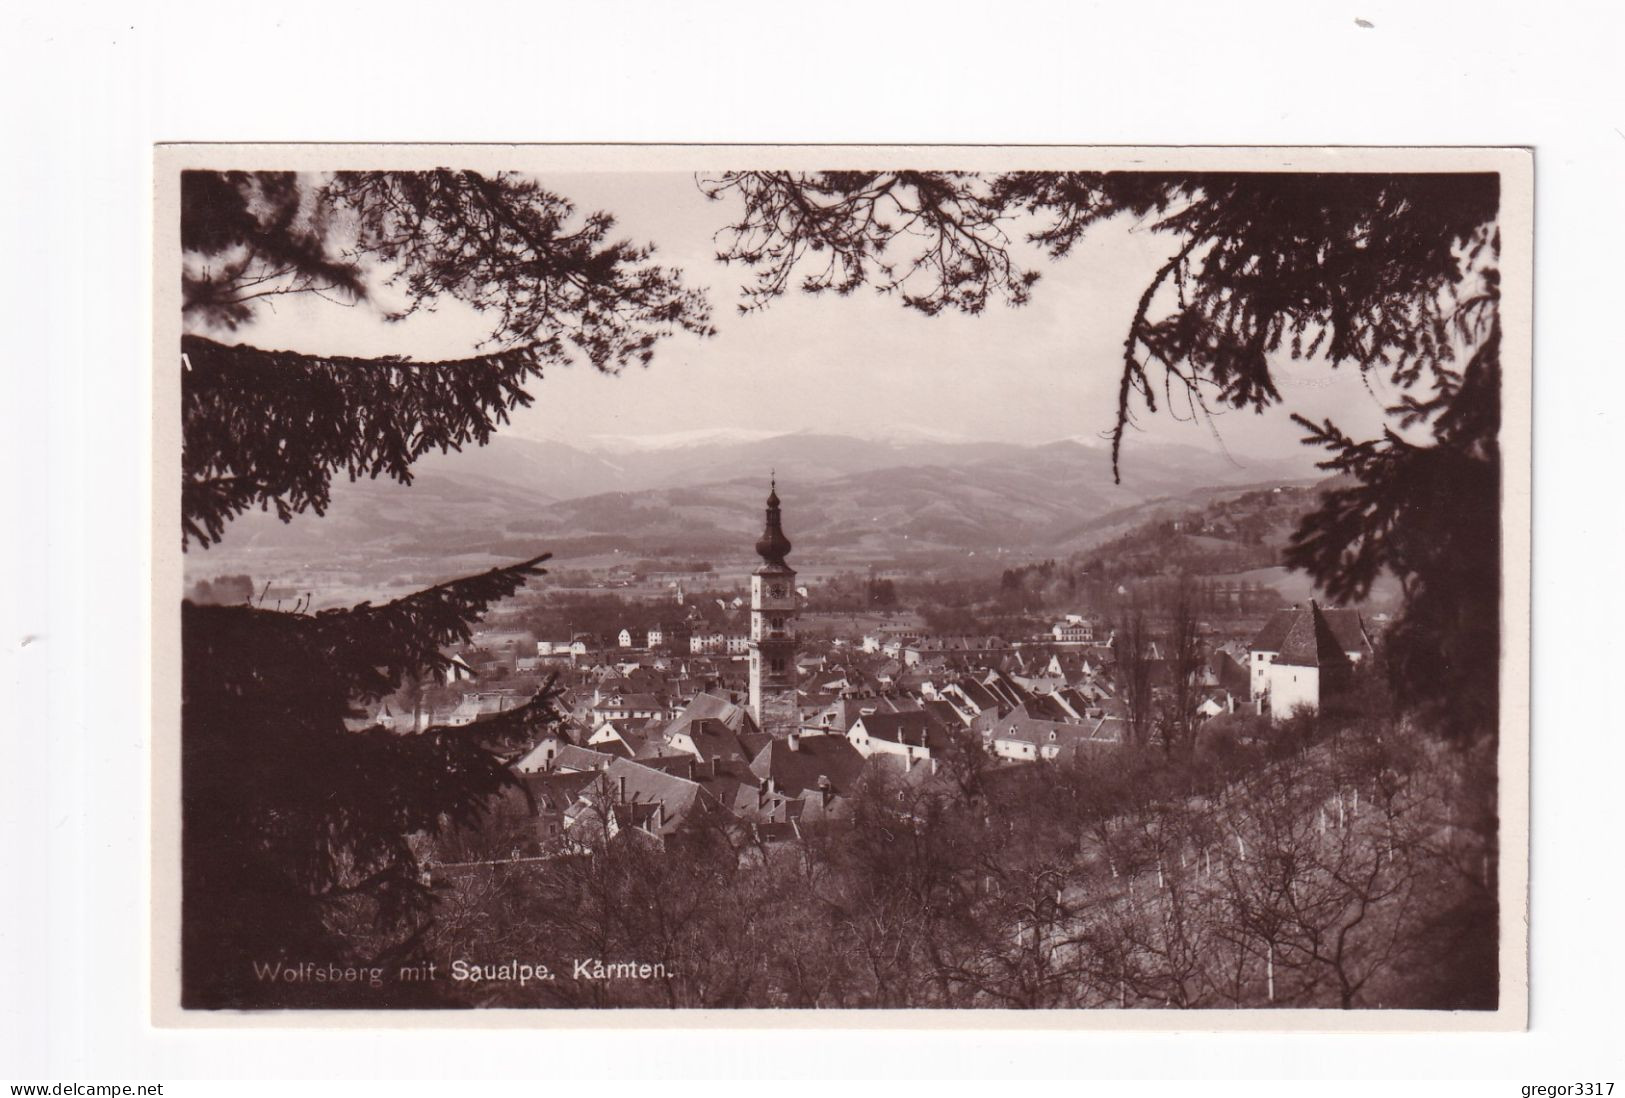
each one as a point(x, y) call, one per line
point(1431, 516)
point(1389, 273)
point(1131, 660)
point(294, 827)
point(1178, 720)
point(297, 833)
point(240, 406)
point(851, 219)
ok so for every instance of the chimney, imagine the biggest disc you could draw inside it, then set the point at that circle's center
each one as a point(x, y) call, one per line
point(620, 789)
point(793, 741)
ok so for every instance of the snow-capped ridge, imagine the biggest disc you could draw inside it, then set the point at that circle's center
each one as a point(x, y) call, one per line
point(676, 440)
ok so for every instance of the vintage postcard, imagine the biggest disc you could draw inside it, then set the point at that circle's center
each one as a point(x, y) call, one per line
point(873, 585)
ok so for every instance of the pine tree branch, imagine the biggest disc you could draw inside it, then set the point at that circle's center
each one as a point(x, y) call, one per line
point(272, 428)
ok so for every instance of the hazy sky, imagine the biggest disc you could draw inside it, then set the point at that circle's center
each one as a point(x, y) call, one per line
point(857, 365)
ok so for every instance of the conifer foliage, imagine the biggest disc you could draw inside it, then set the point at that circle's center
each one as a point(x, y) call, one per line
point(295, 827)
point(298, 833)
point(359, 417)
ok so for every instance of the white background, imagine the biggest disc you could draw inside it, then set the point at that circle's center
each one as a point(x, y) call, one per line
point(88, 92)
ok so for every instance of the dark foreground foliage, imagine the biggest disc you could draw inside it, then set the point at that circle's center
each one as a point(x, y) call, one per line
point(298, 835)
point(292, 824)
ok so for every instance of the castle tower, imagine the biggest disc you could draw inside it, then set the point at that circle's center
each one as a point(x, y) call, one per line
point(772, 629)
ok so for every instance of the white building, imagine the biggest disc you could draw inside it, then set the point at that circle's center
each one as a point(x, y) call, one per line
point(1074, 630)
point(908, 735)
point(703, 643)
point(1304, 654)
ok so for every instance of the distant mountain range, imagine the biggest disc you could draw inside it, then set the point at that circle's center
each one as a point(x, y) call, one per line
point(699, 494)
point(557, 470)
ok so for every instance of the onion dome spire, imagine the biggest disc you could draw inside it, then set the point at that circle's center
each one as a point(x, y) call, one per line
point(773, 546)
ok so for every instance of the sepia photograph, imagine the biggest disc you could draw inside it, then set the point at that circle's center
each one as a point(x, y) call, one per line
point(857, 579)
point(881, 546)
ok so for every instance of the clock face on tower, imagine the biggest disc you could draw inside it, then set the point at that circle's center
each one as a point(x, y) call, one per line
point(776, 591)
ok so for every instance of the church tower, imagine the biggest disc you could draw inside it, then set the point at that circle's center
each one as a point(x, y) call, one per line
point(772, 629)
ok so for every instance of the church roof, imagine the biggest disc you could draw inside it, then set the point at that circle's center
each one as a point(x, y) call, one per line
point(773, 546)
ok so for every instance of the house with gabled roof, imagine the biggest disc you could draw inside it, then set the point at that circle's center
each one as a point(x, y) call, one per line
point(632, 797)
point(914, 736)
point(1300, 657)
point(524, 819)
point(1074, 630)
point(839, 714)
point(1010, 693)
point(619, 705)
point(458, 670)
point(1081, 702)
point(1040, 683)
point(542, 753)
point(550, 797)
point(1215, 702)
point(810, 768)
point(709, 739)
point(713, 729)
point(632, 733)
point(1071, 666)
point(581, 759)
point(669, 635)
point(977, 707)
point(713, 707)
point(1229, 668)
point(705, 639)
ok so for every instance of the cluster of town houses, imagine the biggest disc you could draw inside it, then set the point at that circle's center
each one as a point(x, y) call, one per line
point(661, 734)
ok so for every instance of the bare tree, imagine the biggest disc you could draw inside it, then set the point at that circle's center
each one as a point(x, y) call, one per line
point(1179, 718)
point(1131, 652)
